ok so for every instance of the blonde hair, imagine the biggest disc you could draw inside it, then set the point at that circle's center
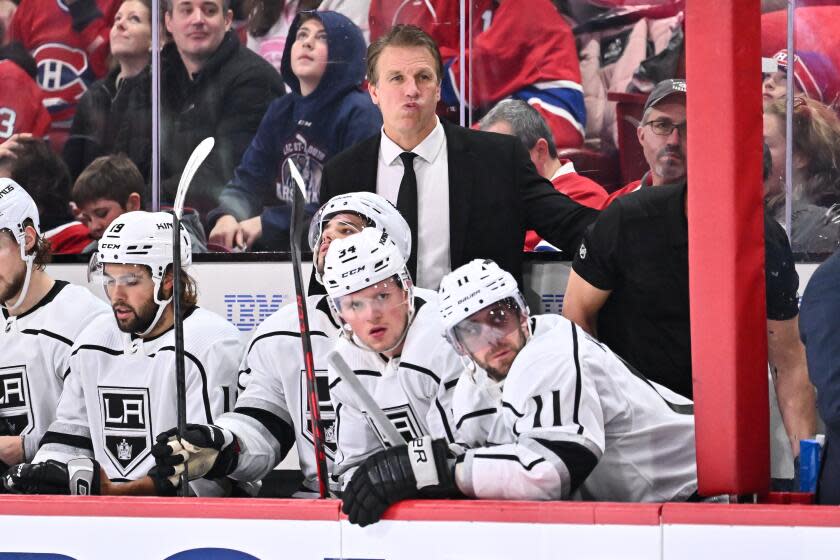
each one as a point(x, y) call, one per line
point(816, 139)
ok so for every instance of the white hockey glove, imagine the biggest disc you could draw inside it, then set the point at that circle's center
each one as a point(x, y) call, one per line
point(78, 477)
point(208, 451)
point(421, 469)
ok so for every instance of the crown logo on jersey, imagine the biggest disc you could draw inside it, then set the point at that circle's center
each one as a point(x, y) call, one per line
point(124, 451)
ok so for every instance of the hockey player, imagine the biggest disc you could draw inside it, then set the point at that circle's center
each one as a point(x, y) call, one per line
point(120, 384)
point(272, 411)
point(391, 339)
point(571, 419)
point(42, 318)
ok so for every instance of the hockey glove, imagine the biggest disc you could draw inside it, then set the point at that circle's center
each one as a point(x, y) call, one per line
point(78, 477)
point(420, 469)
point(209, 451)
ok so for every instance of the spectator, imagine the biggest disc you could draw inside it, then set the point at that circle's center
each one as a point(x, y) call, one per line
point(516, 117)
point(69, 41)
point(324, 114)
point(21, 100)
point(816, 177)
point(662, 136)
point(629, 281)
point(472, 186)
point(532, 58)
point(211, 86)
point(29, 161)
point(111, 186)
point(269, 22)
point(814, 76)
point(818, 321)
point(115, 114)
point(42, 319)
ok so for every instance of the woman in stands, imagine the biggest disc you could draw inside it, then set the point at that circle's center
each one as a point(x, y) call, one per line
point(115, 114)
point(816, 177)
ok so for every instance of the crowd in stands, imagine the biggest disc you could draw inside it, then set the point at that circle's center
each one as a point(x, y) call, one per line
point(365, 97)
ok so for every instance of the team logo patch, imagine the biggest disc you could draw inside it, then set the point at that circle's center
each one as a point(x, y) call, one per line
point(127, 426)
point(63, 74)
point(15, 404)
point(404, 420)
point(325, 407)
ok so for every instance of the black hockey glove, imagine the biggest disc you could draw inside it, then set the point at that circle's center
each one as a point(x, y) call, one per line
point(420, 469)
point(208, 450)
point(82, 13)
point(78, 476)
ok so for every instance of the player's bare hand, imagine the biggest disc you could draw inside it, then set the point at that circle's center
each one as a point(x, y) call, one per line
point(226, 232)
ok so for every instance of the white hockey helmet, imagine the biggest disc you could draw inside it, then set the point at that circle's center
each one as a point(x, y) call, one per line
point(16, 206)
point(361, 260)
point(145, 239)
point(379, 213)
point(470, 288)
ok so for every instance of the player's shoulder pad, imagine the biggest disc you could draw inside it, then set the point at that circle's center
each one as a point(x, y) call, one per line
point(548, 359)
point(204, 328)
point(72, 309)
point(101, 331)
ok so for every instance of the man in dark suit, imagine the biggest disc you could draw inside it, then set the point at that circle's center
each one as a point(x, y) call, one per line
point(465, 194)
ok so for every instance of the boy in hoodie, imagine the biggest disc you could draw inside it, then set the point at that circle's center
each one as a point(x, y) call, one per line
point(325, 113)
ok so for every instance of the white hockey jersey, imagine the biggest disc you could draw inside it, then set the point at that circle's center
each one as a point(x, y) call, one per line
point(576, 422)
point(34, 352)
point(272, 412)
point(414, 390)
point(477, 400)
point(120, 392)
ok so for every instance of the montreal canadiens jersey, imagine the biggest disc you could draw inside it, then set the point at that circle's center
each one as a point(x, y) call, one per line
point(477, 400)
point(272, 412)
point(532, 58)
point(68, 60)
point(414, 391)
point(34, 354)
point(21, 103)
point(576, 422)
point(119, 393)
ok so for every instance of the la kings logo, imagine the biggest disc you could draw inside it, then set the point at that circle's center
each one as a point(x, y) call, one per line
point(15, 408)
point(126, 425)
point(325, 407)
point(404, 420)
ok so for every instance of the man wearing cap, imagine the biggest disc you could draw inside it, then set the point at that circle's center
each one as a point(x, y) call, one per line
point(629, 280)
point(42, 318)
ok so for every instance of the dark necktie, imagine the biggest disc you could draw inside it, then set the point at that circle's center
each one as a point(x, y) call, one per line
point(407, 205)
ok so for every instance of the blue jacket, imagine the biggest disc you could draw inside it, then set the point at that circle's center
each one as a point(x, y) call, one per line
point(819, 326)
point(308, 129)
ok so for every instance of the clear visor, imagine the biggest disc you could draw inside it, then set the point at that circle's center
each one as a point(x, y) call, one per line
point(128, 276)
point(488, 327)
point(377, 299)
point(335, 225)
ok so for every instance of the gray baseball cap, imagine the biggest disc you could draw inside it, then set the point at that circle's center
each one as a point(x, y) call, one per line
point(663, 89)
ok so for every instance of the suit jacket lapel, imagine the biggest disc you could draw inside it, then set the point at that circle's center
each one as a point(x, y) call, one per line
point(461, 177)
point(368, 164)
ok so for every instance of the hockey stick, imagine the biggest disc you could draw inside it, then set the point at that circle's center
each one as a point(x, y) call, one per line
point(196, 158)
point(305, 339)
point(368, 405)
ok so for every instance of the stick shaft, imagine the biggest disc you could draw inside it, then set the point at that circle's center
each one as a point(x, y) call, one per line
point(180, 374)
point(306, 347)
point(389, 432)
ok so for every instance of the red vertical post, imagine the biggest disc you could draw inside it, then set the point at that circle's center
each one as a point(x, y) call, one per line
point(726, 245)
